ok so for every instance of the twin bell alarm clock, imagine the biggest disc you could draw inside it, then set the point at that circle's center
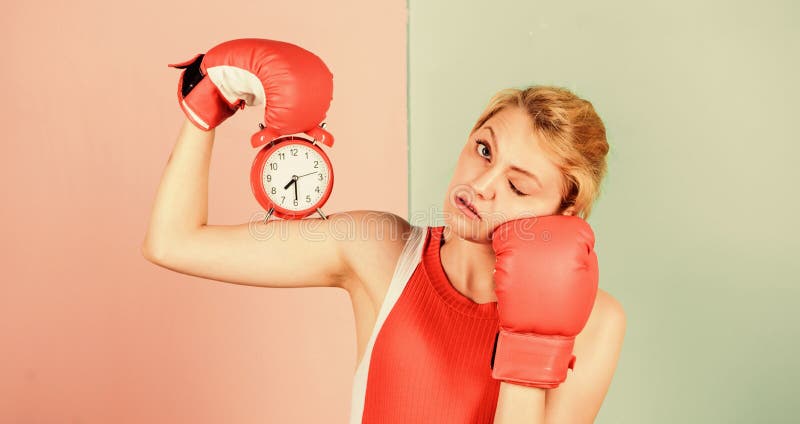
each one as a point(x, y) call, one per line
point(291, 176)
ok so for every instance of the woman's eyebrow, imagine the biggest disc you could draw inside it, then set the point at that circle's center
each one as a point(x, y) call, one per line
point(513, 167)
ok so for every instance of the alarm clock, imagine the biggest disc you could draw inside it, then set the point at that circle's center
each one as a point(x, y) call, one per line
point(292, 177)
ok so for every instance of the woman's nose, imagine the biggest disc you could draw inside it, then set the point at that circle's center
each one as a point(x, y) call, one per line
point(484, 183)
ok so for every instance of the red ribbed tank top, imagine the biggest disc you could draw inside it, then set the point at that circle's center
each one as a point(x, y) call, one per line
point(428, 358)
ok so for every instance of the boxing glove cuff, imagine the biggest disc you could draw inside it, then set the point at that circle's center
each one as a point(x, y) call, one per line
point(206, 108)
point(199, 97)
point(532, 360)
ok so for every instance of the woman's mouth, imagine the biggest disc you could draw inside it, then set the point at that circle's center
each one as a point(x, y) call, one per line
point(467, 208)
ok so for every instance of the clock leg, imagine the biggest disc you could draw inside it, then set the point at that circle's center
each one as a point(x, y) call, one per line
point(321, 214)
point(269, 214)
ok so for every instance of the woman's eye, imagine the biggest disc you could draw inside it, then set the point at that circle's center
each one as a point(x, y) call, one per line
point(481, 147)
point(515, 189)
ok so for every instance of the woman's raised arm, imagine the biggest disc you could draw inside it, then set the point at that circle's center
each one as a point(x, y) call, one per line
point(278, 253)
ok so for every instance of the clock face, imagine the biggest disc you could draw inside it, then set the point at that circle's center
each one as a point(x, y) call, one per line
point(295, 176)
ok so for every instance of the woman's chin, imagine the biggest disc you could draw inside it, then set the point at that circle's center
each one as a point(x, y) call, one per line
point(466, 228)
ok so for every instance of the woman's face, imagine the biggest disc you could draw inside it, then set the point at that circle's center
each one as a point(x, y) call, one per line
point(490, 174)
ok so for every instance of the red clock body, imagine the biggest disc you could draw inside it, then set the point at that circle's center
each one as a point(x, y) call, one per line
point(292, 177)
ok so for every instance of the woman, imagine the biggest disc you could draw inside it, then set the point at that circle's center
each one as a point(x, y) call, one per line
point(428, 292)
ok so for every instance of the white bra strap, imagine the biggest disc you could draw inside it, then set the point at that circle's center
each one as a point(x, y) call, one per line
point(411, 256)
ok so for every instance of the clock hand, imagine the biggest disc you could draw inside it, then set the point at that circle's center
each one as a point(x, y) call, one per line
point(295, 189)
point(294, 178)
point(308, 174)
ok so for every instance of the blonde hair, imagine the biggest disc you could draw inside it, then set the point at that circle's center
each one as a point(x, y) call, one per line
point(572, 133)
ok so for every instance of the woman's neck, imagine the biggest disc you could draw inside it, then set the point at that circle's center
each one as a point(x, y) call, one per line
point(469, 266)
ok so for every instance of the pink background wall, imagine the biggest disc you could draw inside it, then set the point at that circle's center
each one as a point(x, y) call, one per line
point(93, 333)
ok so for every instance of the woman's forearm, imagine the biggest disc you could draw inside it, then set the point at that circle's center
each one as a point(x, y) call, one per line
point(181, 202)
point(520, 404)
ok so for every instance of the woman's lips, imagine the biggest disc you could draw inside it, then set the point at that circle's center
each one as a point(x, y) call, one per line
point(468, 208)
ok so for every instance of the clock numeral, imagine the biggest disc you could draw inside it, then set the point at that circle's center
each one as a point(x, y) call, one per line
point(322, 175)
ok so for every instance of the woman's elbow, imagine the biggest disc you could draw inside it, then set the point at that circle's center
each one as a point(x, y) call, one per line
point(153, 252)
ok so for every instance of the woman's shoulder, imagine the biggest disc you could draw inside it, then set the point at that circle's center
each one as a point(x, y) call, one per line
point(609, 305)
point(379, 226)
point(375, 244)
point(607, 314)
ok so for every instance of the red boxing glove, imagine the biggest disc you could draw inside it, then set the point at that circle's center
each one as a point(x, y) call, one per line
point(294, 84)
point(546, 279)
